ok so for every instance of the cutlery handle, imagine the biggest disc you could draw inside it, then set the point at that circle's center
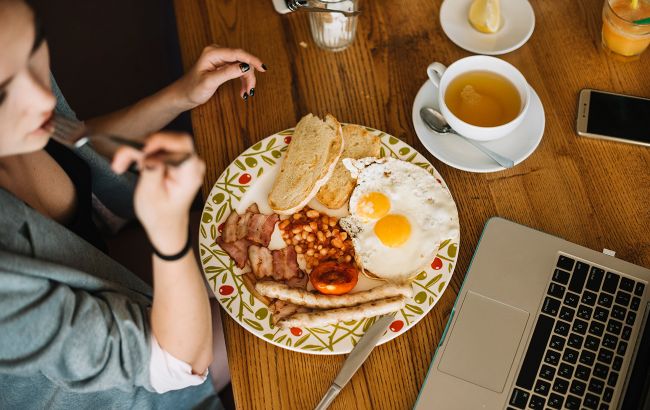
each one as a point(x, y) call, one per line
point(173, 159)
point(320, 10)
point(328, 398)
point(124, 141)
point(500, 159)
point(115, 139)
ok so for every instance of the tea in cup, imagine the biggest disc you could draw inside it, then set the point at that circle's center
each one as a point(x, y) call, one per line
point(482, 98)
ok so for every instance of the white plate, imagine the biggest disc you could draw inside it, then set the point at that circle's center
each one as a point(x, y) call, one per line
point(517, 25)
point(458, 153)
point(249, 179)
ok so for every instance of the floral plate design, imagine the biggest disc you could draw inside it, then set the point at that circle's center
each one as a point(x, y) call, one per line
point(251, 313)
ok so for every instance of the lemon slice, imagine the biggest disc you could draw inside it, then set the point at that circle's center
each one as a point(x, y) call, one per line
point(485, 15)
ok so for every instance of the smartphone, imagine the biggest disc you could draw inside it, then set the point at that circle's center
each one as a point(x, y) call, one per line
point(616, 117)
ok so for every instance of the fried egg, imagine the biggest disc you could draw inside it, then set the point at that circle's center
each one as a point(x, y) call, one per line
point(399, 215)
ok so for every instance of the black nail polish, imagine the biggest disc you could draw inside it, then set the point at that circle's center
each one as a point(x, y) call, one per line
point(244, 67)
point(245, 97)
point(252, 92)
point(264, 67)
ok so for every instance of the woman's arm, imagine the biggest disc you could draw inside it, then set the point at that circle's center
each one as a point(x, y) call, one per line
point(214, 67)
point(146, 116)
point(180, 316)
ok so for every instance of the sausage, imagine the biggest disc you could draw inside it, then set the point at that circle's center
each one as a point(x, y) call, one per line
point(301, 297)
point(328, 317)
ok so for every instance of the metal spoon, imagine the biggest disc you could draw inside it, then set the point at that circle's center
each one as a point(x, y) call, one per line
point(436, 122)
point(294, 5)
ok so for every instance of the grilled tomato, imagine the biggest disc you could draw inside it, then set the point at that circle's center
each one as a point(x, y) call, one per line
point(333, 278)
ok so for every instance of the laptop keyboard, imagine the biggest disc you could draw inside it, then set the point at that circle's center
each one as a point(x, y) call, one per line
point(581, 336)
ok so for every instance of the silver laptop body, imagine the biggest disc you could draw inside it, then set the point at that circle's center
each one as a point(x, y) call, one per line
point(517, 337)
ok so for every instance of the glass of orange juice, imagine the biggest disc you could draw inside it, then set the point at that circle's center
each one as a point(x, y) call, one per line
point(621, 35)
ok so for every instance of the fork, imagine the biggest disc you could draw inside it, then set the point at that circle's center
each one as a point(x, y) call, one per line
point(74, 133)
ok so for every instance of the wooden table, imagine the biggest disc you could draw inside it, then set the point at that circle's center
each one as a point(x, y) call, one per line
point(591, 192)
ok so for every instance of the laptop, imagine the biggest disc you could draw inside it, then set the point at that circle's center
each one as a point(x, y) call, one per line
point(542, 323)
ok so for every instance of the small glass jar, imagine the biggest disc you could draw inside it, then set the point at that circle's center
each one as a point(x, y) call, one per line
point(334, 31)
point(620, 35)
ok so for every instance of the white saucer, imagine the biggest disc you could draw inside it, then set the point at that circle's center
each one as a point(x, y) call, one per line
point(517, 25)
point(458, 153)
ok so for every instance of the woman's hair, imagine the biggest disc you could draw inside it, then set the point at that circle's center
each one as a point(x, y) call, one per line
point(39, 32)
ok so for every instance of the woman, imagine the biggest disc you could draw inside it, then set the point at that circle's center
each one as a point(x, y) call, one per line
point(76, 328)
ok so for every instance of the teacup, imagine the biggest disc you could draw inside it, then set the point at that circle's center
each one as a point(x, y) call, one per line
point(441, 76)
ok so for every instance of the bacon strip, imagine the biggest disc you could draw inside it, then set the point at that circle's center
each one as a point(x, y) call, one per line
point(269, 227)
point(242, 224)
point(236, 226)
point(285, 263)
point(261, 261)
point(229, 234)
point(255, 224)
point(260, 228)
point(236, 250)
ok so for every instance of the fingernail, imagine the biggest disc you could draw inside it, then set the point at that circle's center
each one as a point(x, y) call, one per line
point(244, 67)
point(252, 92)
point(245, 97)
point(264, 67)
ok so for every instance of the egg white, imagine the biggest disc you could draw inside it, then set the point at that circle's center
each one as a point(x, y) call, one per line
point(414, 193)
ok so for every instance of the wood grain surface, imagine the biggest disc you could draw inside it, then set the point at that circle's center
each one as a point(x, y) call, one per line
point(592, 192)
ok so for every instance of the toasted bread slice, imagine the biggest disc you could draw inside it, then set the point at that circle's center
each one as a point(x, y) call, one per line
point(359, 143)
point(315, 148)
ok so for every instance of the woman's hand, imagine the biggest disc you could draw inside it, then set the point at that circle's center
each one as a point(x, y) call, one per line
point(214, 67)
point(164, 194)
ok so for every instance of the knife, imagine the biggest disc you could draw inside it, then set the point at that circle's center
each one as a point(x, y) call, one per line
point(357, 356)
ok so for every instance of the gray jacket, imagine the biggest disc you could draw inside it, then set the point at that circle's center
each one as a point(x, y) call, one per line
point(74, 327)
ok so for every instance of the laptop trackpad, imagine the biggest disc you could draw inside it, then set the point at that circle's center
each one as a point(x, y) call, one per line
point(483, 342)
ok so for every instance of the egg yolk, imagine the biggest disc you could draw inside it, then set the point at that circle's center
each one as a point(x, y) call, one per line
point(373, 205)
point(393, 230)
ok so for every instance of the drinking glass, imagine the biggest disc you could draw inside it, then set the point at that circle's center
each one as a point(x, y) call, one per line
point(620, 34)
point(334, 31)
